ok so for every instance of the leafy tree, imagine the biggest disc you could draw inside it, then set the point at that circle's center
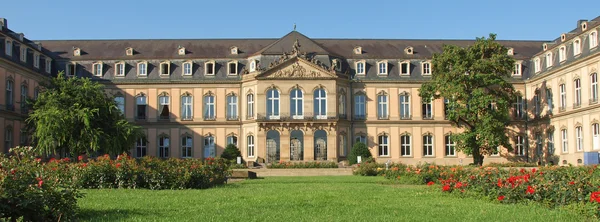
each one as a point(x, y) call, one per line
point(231, 152)
point(474, 80)
point(74, 115)
point(359, 149)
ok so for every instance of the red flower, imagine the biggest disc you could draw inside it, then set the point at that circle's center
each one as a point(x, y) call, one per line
point(500, 198)
point(533, 170)
point(430, 183)
point(522, 170)
point(595, 197)
point(458, 185)
point(530, 190)
point(446, 188)
point(118, 165)
point(499, 182)
point(38, 160)
point(40, 183)
point(13, 171)
point(572, 182)
point(80, 158)
point(66, 159)
point(52, 160)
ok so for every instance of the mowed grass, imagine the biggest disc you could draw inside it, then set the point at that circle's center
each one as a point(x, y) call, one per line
point(340, 198)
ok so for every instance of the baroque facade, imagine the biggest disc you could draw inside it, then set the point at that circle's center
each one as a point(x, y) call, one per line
point(302, 99)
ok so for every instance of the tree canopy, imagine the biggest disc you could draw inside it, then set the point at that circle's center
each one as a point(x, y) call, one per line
point(75, 115)
point(474, 81)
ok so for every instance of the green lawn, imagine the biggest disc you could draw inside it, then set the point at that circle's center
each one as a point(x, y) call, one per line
point(346, 198)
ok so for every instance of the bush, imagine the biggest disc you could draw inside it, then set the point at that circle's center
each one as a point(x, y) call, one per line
point(231, 152)
point(359, 149)
point(369, 168)
point(290, 165)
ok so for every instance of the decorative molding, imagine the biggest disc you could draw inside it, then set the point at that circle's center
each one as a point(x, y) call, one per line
point(186, 93)
point(163, 94)
point(140, 94)
point(209, 93)
point(405, 133)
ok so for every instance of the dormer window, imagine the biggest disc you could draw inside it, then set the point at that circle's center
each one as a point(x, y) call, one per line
point(562, 53)
point(165, 68)
point(8, 47)
point(517, 69)
point(23, 53)
point(76, 52)
point(129, 51)
point(510, 51)
point(583, 26)
point(405, 68)
point(537, 66)
point(120, 69)
point(563, 37)
point(544, 46)
point(36, 60)
point(142, 68)
point(253, 66)
point(357, 50)
point(71, 69)
point(209, 68)
point(232, 68)
point(234, 50)
point(549, 60)
point(181, 50)
point(97, 69)
point(187, 68)
point(382, 68)
point(48, 65)
point(576, 46)
point(360, 67)
point(338, 64)
point(426, 68)
point(593, 39)
point(409, 50)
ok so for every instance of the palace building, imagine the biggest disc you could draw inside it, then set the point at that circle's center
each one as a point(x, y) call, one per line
point(297, 98)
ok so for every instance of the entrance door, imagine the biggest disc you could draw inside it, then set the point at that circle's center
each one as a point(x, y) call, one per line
point(321, 149)
point(272, 152)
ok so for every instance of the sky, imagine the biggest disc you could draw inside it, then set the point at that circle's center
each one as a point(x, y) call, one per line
point(201, 19)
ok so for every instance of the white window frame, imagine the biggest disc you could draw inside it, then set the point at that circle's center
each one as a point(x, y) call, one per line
point(162, 71)
point(214, 67)
point(549, 100)
point(232, 139)
point(36, 60)
point(120, 69)
point(428, 149)
point(273, 99)
point(594, 87)
point(187, 68)
point(97, 68)
point(407, 63)
point(577, 86)
point(383, 145)
point(187, 146)
point(48, 65)
point(232, 107)
point(593, 39)
point(142, 68)
point(563, 96)
point(250, 142)
point(209, 107)
point(252, 65)
point(549, 60)
point(404, 106)
point(405, 145)
point(68, 69)
point(564, 137)
point(209, 147)
point(23, 53)
point(297, 99)
point(576, 46)
point(164, 149)
point(383, 106)
point(141, 100)
point(361, 70)
point(187, 107)
point(520, 146)
point(562, 53)
point(320, 103)
point(250, 106)
point(517, 69)
point(360, 106)
point(229, 70)
point(450, 148)
point(426, 68)
point(537, 66)
point(579, 138)
point(141, 148)
point(427, 106)
point(8, 47)
point(595, 136)
point(382, 67)
point(162, 103)
point(120, 102)
point(361, 138)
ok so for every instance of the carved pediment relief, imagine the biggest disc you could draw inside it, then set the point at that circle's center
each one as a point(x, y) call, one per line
point(297, 69)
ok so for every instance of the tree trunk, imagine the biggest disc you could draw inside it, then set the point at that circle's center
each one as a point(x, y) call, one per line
point(477, 157)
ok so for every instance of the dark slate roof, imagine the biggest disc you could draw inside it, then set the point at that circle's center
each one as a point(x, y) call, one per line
point(285, 43)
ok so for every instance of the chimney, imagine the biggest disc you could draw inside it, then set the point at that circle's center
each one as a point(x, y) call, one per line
point(21, 36)
point(580, 21)
point(3, 23)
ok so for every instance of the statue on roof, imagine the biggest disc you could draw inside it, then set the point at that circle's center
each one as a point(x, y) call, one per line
point(296, 48)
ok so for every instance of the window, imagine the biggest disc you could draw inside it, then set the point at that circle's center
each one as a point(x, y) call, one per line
point(36, 60)
point(23, 138)
point(404, 106)
point(140, 105)
point(361, 139)
point(446, 108)
point(382, 68)
point(428, 145)
point(405, 145)
point(320, 104)
point(563, 96)
point(165, 68)
point(10, 102)
point(187, 68)
point(250, 141)
point(577, 84)
point(71, 69)
point(520, 146)
point(594, 88)
point(232, 67)
point(360, 106)
point(163, 107)
point(23, 54)
point(232, 110)
point(140, 148)
point(142, 69)
point(273, 104)
point(562, 53)
point(405, 68)
point(120, 69)
point(549, 100)
point(297, 104)
point(209, 68)
point(537, 66)
point(579, 137)
point(517, 70)
point(551, 143)
point(97, 69)
point(360, 68)
point(8, 48)
point(24, 97)
point(563, 134)
point(186, 146)
point(596, 136)
point(576, 47)
point(48, 65)
point(450, 146)
point(342, 106)
point(120, 102)
point(427, 109)
point(209, 147)
point(250, 108)
point(8, 138)
point(593, 39)
point(36, 93)
point(163, 146)
point(253, 66)
point(209, 107)
point(384, 145)
point(232, 139)
point(187, 112)
point(536, 104)
point(382, 107)
point(548, 60)
point(426, 66)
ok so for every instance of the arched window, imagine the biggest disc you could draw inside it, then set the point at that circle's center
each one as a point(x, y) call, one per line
point(297, 104)
point(427, 145)
point(209, 107)
point(120, 102)
point(382, 106)
point(232, 139)
point(10, 102)
point(576, 47)
point(140, 148)
point(427, 109)
point(320, 103)
point(163, 106)
point(593, 39)
point(360, 106)
point(186, 146)
point(187, 107)
point(250, 142)
point(140, 106)
point(594, 86)
point(596, 136)
point(273, 103)
point(163, 146)
point(579, 138)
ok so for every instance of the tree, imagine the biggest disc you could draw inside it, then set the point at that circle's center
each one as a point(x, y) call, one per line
point(75, 115)
point(474, 80)
point(231, 152)
point(359, 149)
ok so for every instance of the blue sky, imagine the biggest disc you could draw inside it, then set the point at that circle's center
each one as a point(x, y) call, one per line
point(177, 19)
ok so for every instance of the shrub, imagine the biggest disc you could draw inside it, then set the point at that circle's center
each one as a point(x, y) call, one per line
point(290, 165)
point(369, 168)
point(359, 149)
point(231, 152)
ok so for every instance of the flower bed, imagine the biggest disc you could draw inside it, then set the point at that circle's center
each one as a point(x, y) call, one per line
point(291, 165)
point(575, 188)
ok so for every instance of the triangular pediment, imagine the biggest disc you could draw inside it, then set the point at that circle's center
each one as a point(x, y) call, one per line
point(297, 68)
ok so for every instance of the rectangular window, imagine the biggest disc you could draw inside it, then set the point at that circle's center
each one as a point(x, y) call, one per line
point(232, 140)
point(562, 53)
point(209, 107)
point(595, 136)
point(446, 108)
point(120, 102)
point(382, 107)
point(48, 65)
point(209, 147)
point(428, 145)
point(187, 69)
point(233, 68)
point(142, 69)
point(404, 106)
point(382, 68)
point(163, 147)
point(165, 68)
point(97, 69)
point(360, 107)
point(120, 69)
point(232, 107)
point(186, 147)
point(520, 146)
point(593, 39)
point(549, 60)
point(579, 137)
point(24, 97)
point(10, 103)
point(405, 145)
point(361, 139)
point(405, 68)
point(517, 70)
point(250, 108)
point(450, 146)
point(594, 88)
point(71, 69)
point(426, 68)
point(551, 143)
point(536, 104)
point(8, 138)
point(563, 96)
point(360, 68)
point(186, 107)
point(427, 108)
point(343, 148)
point(8, 48)
point(36, 60)
point(140, 148)
point(250, 141)
point(537, 65)
point(164, 107)
point(576, 47)
point(577, 93)
point(342, 106)
point(563, 134)
point(384, 146)
point(210, 68)
point(23, 54)
point(141, 104)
